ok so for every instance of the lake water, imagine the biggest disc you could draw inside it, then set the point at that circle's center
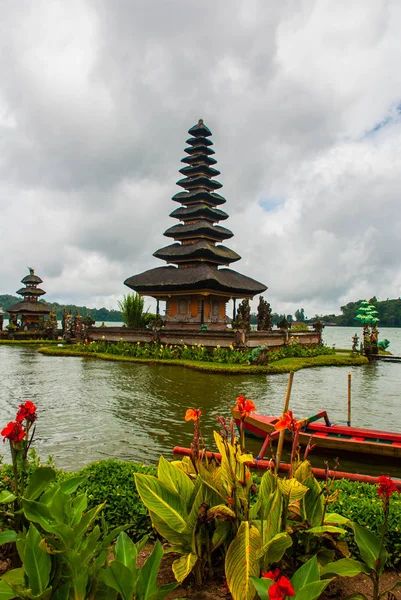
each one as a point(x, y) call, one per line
point(91, 409)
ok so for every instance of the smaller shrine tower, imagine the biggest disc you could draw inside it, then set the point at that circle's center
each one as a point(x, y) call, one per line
point(30, 310)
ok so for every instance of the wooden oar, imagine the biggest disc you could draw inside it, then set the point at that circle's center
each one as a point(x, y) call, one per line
point(286, 405)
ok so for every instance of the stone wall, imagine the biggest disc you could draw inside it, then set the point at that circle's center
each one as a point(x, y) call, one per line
point(209, 339)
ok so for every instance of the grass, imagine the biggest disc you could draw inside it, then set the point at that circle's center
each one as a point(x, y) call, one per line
point(38, 342)
point(281, 366)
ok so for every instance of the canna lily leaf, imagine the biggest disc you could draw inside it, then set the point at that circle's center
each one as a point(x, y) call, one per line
point(6, 593)
point(37, 563)
point(125, 551)
point(293, 489)
point(307, 573)
point(368, 544)
point(312, 591)
point(345, 567)
point(183, 566)
point(7, 536)
point(39, 481)
point(174, 478)
point(165, 503)
point(7, 497)
point(242, 563)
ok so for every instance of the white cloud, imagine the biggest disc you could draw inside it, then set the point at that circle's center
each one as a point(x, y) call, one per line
point(97, 97)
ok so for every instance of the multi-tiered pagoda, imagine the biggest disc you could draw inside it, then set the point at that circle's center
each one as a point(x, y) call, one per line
point(197, 290)
point(30, 310)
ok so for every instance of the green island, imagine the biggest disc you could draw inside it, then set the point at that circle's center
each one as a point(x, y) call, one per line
point(277, 364)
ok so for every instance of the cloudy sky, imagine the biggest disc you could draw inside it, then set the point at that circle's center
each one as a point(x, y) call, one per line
point(304, 102)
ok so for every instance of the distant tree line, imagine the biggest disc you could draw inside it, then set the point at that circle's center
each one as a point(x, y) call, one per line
point(98, 314)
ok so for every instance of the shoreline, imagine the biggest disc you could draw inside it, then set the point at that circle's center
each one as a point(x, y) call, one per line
point(284, 365)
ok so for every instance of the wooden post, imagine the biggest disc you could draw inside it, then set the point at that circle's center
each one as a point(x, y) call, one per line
point(234, 309)
point(349, 400)
point(281, 438)
point(202, 311)
point(157, 307)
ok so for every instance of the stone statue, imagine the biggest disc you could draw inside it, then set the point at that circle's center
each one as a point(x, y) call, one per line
point(244, 315)
point(374, 340)
point(265, 322)
point(355, 341)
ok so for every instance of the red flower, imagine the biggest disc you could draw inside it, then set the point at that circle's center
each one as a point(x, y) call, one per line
point(26, 411)
point(245, 406)
point(193, 414)
point(281, 589)
point(13, 432)
point(386, 487)
point(272, 574)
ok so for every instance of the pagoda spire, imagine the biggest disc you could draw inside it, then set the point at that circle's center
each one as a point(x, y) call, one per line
point(199, 277)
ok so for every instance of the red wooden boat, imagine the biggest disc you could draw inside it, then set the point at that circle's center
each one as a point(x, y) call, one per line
point(264, 465)
point(339, 438)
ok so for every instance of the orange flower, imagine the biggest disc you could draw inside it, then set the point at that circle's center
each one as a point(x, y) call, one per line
point(245, 406)
point(287, 421)
point(193, 414)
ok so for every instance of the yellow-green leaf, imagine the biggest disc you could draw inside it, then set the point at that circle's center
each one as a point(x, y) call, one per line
point(292, 489)
point(165, 503)
point(183, 566)
point(241, 562)
point(174, 478)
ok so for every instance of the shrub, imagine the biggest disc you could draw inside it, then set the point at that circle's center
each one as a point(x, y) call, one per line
point(112, 481)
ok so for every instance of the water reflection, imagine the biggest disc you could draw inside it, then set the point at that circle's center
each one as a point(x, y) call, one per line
point(92, 409)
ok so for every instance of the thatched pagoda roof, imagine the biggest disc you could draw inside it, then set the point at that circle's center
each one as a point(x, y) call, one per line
point(30, 291)
point(38, 308)
point(163, 281)
point(197, 256)
point(187, 213)
point(202, 250)
point(201, 228)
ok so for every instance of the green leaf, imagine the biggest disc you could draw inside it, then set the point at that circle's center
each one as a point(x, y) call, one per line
point(183, 566)
point(175, 478)
point(120, 578)
point(146, 586)
point(38, 513)
point(271, 514)
point(368, 544)
point(274, 550)
point(37, 563)
point(8, 536)
point(15, 577)
point(220, 534)
point(262, 586)
point(39, 480)
point(345, 567)
point(335, 519)
point(70, 485)
point(158, 498)
point(125, 551)
point(166, 532)
point(241, 562)
point(7, 497)
point(325, 529)
point(293, 489)
point(307, 573)
point(164, 590)
point(313, 503)
point(87, 520)
point(312, 591)
point(6, 593)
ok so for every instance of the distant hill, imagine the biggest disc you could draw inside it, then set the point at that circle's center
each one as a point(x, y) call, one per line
point(98, 314)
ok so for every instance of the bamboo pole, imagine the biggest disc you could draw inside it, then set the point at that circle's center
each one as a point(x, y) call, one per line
point(349, 400)
point(281, 438)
